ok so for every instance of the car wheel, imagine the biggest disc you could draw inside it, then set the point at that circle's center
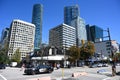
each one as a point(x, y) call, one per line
point(3, 67)
point(33, 73)
point(49, 71)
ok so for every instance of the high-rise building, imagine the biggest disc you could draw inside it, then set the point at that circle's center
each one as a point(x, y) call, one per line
point(21, 37)
point(72, 18)
point(4, 36)
point(70, 13)
point(89, 38)
point(37, 21)
point(62, 35)
point(119, 47)
point(94, 33)
point(79, 25)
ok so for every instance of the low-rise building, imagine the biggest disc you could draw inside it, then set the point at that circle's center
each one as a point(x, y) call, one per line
point(103, 48)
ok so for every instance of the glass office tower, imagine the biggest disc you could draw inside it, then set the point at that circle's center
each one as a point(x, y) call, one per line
point(4, 35)
point(37, 21)
point(70, 13)
point(79, 25)
point(94, 33)
point(72, 18)
point(89, 38)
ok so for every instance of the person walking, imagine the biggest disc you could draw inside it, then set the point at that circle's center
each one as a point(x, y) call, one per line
point(58, 66)
point(22, 67)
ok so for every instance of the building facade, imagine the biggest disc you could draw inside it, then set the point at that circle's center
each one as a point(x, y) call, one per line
point(94, 33)
point(21, 37)
point(103, 48)
point(4, 36)
point(79, 25)
point(70, 13)
point(115, 46)
point(119, 47)
point(37, 21)
point(72, 18)
point(62, 36)
point(89, 38)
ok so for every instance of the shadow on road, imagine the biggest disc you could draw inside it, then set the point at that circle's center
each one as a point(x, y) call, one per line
point(118, 73)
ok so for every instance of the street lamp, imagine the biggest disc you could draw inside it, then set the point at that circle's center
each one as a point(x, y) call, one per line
point(64, 53)
point(112, 54)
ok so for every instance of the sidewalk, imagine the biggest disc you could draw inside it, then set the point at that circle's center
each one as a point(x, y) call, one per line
point(90, 77)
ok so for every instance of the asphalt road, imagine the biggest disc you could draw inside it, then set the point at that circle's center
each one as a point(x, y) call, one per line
point(15, 74)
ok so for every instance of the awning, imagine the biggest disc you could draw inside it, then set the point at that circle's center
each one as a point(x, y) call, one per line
point(56, 57)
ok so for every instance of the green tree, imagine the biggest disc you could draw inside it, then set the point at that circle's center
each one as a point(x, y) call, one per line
point(3, 53)
point(74, 53)
point(117, 56)
point(16, 56)
point(87, 50)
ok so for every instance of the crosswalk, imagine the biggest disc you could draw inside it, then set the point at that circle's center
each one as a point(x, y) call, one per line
point(2, 77)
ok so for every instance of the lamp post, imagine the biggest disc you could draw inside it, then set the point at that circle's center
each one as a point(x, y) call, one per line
point(112, 54)
point(65, 53)
point(64, 61)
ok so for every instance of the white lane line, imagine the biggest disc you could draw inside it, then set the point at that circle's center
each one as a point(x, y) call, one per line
point(107, 78)
point(3, 77)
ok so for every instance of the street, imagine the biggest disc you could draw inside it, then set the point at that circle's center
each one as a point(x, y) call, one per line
point(11, 73)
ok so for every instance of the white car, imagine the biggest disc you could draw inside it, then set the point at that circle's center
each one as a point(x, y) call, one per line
point(99, 65)
point(105, 65)
point(118, 64)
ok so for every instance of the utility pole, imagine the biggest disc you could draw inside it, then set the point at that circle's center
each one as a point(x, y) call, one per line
point(112, 54)
point(65, 54)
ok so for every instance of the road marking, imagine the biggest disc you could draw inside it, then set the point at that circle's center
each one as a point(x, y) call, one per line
point(3, 77)
point(107, 78)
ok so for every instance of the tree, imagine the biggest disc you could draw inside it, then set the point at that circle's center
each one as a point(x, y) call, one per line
point(117, 56)
point(17, 56)
point(87, 50)
point(3, 53)
point(74, 53)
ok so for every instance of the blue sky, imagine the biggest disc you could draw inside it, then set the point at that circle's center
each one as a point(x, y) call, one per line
point(103, 13)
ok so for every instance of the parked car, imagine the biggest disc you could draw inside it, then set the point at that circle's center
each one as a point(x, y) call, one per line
point(100, 65)
point(13, 64)
point(105, 65)
point(38, 69)
point(117, 64)
point(101, 71)
point(2, 66)
point(93, 65)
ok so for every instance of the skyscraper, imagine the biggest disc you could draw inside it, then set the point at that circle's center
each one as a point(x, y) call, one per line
point(37, 21)
point(4, 36)
point(70, 13)
point(72, 18)
point(79, 24)
point(89, 38)
point(94, 33)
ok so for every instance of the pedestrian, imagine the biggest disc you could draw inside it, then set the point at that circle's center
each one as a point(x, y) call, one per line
point(58, 66)
point(22, 67)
